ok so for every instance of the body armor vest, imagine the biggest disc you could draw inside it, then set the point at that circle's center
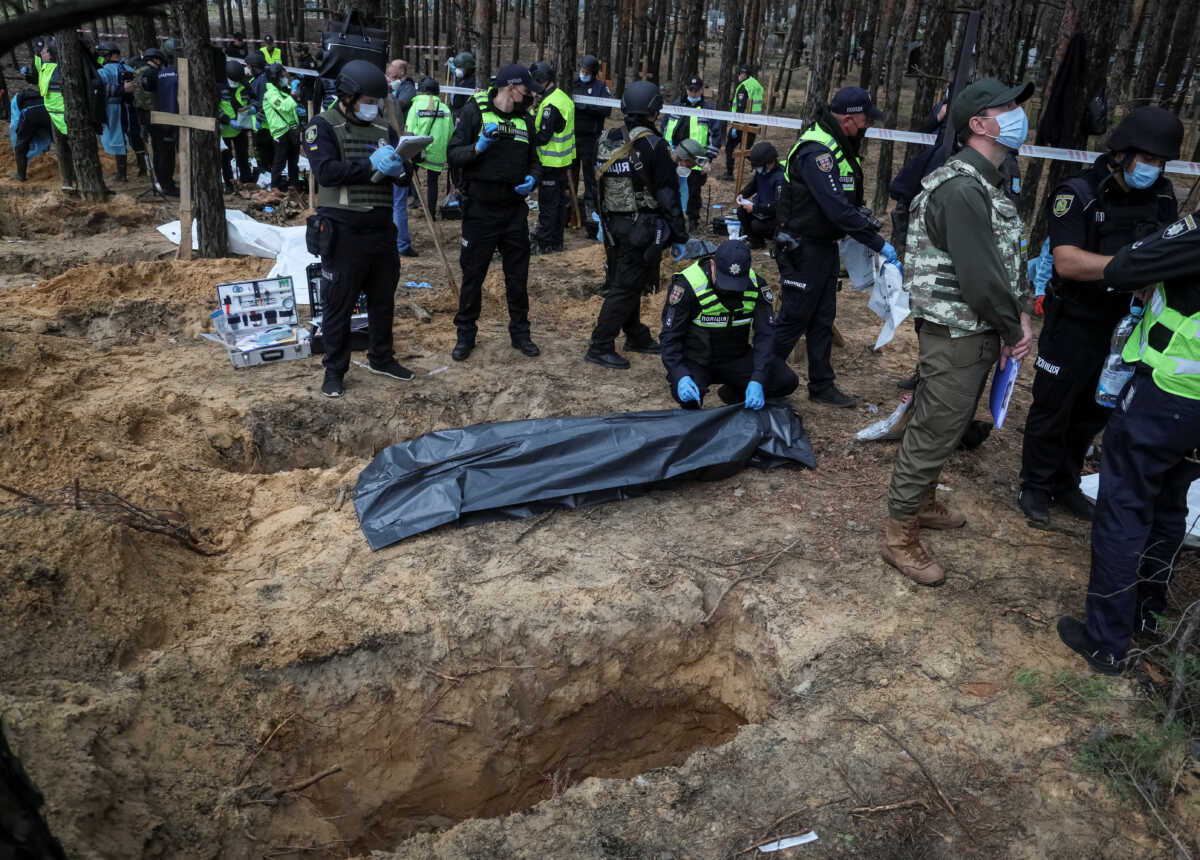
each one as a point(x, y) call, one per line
point(622, 190)
point(929, 273)
point(355, 141)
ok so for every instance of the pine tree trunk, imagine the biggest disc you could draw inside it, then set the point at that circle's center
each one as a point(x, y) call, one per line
point(81, 134)
point(1132, 12)
point(1154, 49)
point(930, 84)
point(221, 14)
point(791, 59)
point(241, 16)
point(870, 28)
point(842, 66)
point(543, 40)
point(887, 15)
point(208, 204)
point(141, 33)
point(565, 33)
point(821, 58)
point(660, 35)
point(255, 27)
point(695, 36)
point(516, 45)
point(729, 51)
point(484, 12)
point(604, 32)
point(896, 68)
point(639, 37)
point(1181, 42)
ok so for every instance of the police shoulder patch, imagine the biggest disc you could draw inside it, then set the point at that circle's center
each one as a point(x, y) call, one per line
point(1062, 204)
point(768, 296)
point(825, 162)
point(1183, 225)
point(676, 295)
point(311, 134)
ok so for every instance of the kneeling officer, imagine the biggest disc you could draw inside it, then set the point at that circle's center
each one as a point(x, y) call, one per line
point(710, 310)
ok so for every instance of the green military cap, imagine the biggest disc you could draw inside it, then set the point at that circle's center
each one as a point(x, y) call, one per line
point(984, 94)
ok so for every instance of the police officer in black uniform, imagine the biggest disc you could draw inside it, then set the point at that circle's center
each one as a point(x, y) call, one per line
point(710, 310)
point(163, 85)
point(1122, 197)
point(352, 230)
point(32, 121)
point(1151, 450)
point(639, 196)
point(492, 147)
point(589, 123)
point(553, 203)
point(762, 191)
point(822, 201)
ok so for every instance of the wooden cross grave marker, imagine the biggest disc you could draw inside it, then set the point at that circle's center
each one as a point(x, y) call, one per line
point(185, 122)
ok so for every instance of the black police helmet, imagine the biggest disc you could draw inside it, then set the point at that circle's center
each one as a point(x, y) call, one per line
point(256, 61)
point(154, 54)
point(641, 98)
point(235, 71)
point(428, 85)
point(1149, 129)
point(541, 72)
point(275, 71)
point(590, 63)
point(361, 78)
point(465, 60)
point(107, 49)
point(763, 153)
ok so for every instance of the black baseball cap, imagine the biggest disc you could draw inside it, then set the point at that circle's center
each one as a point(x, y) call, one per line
point(763, 153)
point(514, 74)
point(695, 82)
point(732, 265)
point(850, 100)
point(983, 94)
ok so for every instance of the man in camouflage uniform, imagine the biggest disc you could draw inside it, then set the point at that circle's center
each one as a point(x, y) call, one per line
point(966, 283)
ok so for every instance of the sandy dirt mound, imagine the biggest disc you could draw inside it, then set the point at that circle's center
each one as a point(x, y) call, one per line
point(542, 688)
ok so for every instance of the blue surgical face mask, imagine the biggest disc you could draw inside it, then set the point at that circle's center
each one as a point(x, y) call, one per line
point(758, 170)
point(366, 113)
point(1142, 175)
point(587, 79)
point(1014, 128)
point(695, 100)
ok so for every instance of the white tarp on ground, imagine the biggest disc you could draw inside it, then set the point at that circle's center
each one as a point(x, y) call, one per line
point(1091, 488)
point(246, 236)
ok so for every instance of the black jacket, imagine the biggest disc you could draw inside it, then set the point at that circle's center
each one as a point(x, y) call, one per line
point(491, 176)
point(589, 119)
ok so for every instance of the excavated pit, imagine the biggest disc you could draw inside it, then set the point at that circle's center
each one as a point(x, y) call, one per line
point(503, 734)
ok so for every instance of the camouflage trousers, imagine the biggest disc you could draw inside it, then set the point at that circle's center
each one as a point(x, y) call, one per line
point(953, 372)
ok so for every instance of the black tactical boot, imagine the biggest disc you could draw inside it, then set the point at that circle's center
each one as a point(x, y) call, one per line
point(122, 168)
point(141, 163)
point(1035, 504)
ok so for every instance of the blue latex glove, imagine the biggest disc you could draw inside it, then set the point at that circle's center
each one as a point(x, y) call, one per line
point(754, 396)
point(687, 390)
point(680, 251)
point(394, 167)
point(733, 132)
point(381, 157)
point(788, 242)
point(486, 135)
point(525, 187)
point(889, 253)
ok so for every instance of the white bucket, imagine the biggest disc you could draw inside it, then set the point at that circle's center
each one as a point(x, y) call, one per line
point(733, 227)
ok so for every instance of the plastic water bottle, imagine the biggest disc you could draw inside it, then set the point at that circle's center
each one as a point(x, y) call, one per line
point(1117, 371)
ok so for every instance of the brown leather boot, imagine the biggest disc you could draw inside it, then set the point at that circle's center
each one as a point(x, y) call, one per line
point(901, 548)
point(934, 515)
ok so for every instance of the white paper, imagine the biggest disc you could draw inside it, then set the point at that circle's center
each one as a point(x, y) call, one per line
point(889, 301)
point(859, 261)
point(789, 842)
point(1090, 486)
